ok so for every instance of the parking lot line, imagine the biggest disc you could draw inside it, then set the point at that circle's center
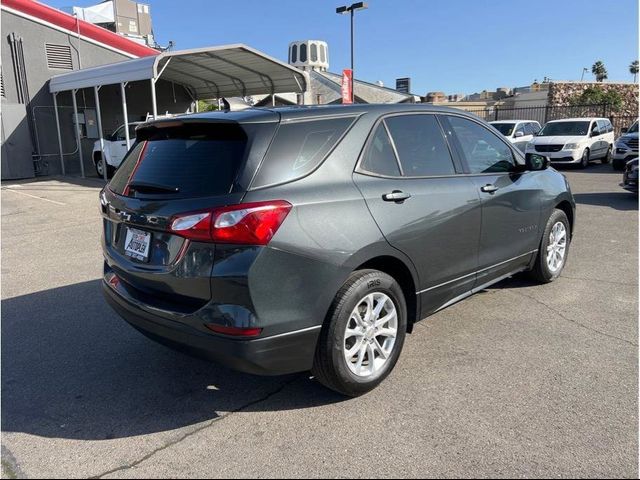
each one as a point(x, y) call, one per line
point(32, 196)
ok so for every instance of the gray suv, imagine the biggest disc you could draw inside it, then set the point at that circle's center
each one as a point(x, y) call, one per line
point(313, 238)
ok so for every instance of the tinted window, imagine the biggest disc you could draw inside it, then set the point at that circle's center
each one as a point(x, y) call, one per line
point(528, 128)
point(505, 129)
point(379, 156)
point(294, 54)
point(483, 151)
point(421, 148)
point(565, 128)
point(119, 134)
point(198, 160)
point(298, 148)
point(609, 126)
point(536, 127)
point(595, 127)
point(303, 52)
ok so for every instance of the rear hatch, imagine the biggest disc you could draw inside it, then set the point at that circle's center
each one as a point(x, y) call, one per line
point(177, 166)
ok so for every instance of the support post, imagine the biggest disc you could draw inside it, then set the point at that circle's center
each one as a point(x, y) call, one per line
point(96, 90)
point(77, 126)
point(125, 113)
point(55, 109)
point(153, 99)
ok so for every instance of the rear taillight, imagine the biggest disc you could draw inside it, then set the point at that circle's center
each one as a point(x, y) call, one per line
point(246, 223)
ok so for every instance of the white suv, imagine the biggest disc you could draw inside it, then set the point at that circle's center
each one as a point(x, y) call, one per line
point(575, 140)
point(115, 148)
point(518, 132)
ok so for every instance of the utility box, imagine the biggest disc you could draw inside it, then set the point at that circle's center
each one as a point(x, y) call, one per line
point(91, 123)
point(126, 17)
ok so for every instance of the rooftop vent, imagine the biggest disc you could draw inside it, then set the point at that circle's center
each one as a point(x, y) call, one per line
point(309, 55)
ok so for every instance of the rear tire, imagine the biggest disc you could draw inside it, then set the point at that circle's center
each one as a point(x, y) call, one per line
point(355, 352)
point(584, 162)
point(544, 269)
point(99, 165)
point(607, 158)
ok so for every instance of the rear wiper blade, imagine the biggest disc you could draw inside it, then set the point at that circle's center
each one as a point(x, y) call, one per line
point(152, 187)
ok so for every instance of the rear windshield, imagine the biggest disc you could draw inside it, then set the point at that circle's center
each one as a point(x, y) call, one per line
point(299, 148)
point(192, 160)
point(505, 129)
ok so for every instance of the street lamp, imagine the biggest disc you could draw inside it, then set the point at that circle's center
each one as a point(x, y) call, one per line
point(343, 11)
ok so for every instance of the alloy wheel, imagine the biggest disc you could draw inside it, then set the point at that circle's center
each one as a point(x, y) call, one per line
point(370, 334)
point(557, 247)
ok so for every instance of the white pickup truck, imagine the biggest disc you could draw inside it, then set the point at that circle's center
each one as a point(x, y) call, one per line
point(115, 148)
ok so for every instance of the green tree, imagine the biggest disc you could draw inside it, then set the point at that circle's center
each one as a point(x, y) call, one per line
point(204, 106)
point(633, 70)
point(598, 96)
point(599, 71)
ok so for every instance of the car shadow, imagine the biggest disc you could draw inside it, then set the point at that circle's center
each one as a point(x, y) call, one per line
point(71, 368)
point(622, 200)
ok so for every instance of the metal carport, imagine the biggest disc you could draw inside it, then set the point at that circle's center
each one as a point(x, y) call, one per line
point(213, 72)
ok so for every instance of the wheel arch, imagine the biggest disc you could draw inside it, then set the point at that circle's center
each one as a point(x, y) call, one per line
point(567, 208)
point(401, 272)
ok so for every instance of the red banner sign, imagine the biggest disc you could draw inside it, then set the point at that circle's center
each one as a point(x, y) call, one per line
point(347, 94)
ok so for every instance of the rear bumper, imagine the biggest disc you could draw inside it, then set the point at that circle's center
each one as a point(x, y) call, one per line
point(286, 353)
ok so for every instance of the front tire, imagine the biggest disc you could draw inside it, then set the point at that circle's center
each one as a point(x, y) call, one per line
point(618, 164)
point(363, 334)
point(584, 162)
point(554, 248)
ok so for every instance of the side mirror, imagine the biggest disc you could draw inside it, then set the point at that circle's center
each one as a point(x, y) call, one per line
point(624, 130)
point(535, 162)
point(519, 134)
point(594, 133)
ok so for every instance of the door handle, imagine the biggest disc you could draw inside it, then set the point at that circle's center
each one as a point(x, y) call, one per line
point(123, 144)
point(396, 196)
point(489, 188)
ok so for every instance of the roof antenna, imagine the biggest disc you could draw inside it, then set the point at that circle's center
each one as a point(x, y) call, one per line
point(235, 104)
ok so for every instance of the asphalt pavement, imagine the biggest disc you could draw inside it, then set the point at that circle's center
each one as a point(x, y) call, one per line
point(520, 380)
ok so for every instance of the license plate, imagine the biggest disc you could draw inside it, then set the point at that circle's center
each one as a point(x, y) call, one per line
point(137, 244)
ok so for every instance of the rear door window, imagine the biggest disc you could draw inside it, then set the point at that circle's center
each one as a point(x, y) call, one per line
point(193, 160)
point(379, 157)
point(299, 148)
point(421, 147)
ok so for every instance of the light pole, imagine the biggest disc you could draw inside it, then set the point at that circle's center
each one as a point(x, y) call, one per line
point(343, 11)
point(584, 70)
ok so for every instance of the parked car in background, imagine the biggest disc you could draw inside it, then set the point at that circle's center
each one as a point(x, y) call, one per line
point(626, 147)
point(285, 240)
point(575, 141)
point(518, 132)
point(630, 176)
point(115, 148)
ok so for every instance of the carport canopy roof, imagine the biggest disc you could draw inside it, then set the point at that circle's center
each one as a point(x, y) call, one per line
point(212, 72)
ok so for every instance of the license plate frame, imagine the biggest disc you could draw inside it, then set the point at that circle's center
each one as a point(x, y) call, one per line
point(137, 244)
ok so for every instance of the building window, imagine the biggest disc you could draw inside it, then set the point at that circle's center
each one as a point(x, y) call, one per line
point(58, 56)
point(294, 53)
point(303, 52)
point(323, 56)
point(314, 52)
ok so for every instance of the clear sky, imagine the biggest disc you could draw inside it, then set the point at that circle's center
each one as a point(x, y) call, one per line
point(455, 46)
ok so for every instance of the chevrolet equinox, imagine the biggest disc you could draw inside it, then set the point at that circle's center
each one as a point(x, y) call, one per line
point(312, 238)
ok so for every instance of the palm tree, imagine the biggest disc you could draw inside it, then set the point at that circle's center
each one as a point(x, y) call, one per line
point(599, 71)
point(633, 70)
